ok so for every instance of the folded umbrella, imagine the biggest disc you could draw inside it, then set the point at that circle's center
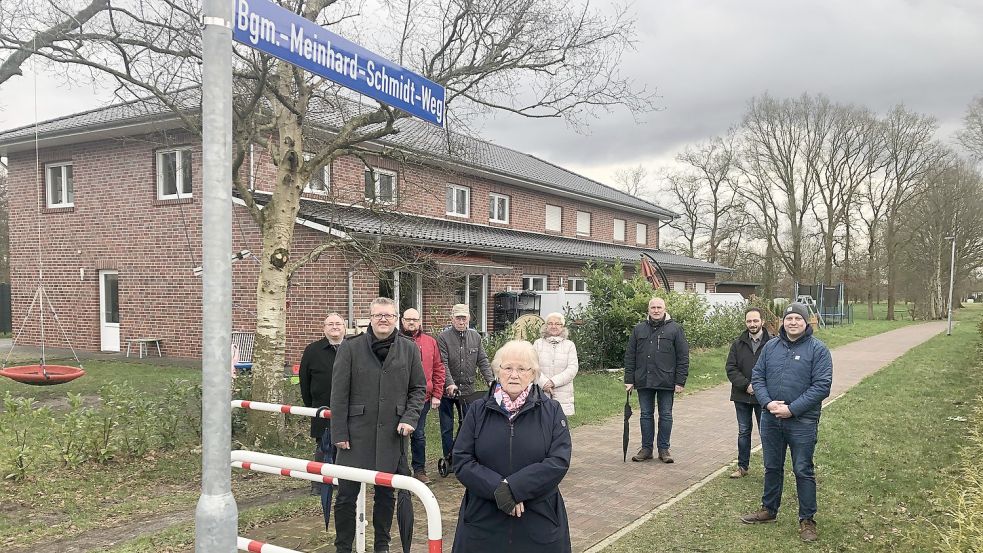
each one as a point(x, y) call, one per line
point(624, 441)
point(404, 507)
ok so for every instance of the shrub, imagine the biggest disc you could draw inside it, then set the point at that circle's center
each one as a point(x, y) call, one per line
point(25, 430)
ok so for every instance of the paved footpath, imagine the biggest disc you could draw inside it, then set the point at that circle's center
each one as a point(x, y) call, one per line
point(601, 492)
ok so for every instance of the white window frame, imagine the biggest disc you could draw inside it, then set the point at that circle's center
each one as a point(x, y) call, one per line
point(701, 287)
point(452, 190)
point(641, 234)
point(182, 191)
point(493, 203)
point(482, 324)
point(376, 172)
point(615, 235)
point(559, 218)
point(583, 223)
point(534, 278)
point(573, 283)
point(67, 184)
point(325, 175)
point(679, 286)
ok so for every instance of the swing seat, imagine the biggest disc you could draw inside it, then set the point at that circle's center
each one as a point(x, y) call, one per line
point(36, 375)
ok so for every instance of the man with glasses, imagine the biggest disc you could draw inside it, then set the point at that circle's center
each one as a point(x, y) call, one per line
point(463, 356)
point(377, 392)
point(315, 389)
point(433, 369)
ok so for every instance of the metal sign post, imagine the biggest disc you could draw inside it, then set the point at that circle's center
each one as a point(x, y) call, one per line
point(216, 517)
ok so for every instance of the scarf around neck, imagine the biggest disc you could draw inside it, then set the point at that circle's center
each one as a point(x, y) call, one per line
point(380, 347)
point(511, 406)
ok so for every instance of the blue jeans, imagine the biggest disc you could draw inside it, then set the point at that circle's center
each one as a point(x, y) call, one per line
point(747, 413)
point(418, 442)
point(800, 437)
point(327, 450)
point(647, 399)
point(446, 413)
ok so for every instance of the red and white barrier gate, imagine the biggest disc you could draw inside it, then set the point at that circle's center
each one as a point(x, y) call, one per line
point(329, 474)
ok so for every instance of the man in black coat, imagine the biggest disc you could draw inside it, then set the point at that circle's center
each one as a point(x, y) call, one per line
point(743, 355)
point(377, 391)
point(315, 389)
point(656, 364)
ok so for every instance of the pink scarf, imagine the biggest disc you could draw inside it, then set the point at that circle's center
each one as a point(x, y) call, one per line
point(511, 405)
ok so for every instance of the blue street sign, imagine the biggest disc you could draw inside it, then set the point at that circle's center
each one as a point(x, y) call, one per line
point(281, 33)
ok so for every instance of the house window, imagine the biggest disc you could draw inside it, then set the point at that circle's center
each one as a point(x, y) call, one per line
point(576, 284)
point(554, 217)
point(619, 230)
point(498, 208)
point(404, 288)
point(380, 185)
point(536, 283)
point(641, 233)
point(472, 291)
point(58, 184)
point(320, 182)
point(679, 286)
point(458, 201)
point(701, 287)
point(583, 223)
point(174, 174)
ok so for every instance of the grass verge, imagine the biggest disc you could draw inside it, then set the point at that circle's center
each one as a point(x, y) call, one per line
point(886, 449)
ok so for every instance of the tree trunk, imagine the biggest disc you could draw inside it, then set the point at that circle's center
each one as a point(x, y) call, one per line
point(279, 217)
point(891, 249)
point(872, 284)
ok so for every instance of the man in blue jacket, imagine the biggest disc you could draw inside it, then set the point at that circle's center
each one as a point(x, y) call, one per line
point(791, 379)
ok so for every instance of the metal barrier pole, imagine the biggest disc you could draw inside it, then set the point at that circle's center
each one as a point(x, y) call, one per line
point(377, 478)
point(253, 546)
point(361, 521)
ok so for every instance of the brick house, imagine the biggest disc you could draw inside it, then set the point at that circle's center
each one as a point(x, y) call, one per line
point(456, 220)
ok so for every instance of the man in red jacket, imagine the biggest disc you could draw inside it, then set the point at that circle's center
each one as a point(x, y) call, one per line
point(433, 368)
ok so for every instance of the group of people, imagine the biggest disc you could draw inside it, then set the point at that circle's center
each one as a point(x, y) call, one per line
point(513, 446)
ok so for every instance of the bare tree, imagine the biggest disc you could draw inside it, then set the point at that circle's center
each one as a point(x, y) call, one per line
point(712, 165)
point(633, 180)
point(911, 154)
point(687, 200)
point(775, 145)
point(566, 56)
point(972, 134)
point(848, 155)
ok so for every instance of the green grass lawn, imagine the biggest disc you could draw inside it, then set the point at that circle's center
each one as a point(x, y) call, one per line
point(886, 449)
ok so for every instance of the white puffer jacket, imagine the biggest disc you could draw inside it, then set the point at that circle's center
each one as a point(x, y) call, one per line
point(558, 362)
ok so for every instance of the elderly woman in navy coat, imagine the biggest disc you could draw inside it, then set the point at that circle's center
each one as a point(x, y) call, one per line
point(511, 454)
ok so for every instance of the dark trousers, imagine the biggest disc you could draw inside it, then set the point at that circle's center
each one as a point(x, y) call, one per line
point(647, 398)
point(800, 437)
point(747, 414)
point(384, 505)
point(418, 442)
point(446, 413)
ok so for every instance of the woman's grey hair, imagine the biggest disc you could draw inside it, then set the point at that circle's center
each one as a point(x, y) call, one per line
point(516, 350)
point(563, 321)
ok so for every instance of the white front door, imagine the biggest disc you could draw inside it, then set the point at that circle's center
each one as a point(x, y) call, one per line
point(109, 310)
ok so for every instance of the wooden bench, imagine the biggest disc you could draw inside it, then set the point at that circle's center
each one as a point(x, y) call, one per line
point(143, 346)
point(900, 312)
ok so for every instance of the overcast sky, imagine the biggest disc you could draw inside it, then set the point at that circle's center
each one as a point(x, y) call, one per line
point(706, 59)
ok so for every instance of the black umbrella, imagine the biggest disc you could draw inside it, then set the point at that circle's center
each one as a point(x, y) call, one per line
point(404, 507)
point(624, 442)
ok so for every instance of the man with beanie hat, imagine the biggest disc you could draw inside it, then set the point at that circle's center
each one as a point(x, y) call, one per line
point(791, 379)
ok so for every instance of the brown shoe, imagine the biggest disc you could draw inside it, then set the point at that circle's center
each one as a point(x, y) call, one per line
point(665, 456)
point(759, 516)
point(807, 530)
point(421, 475)
point(643, 454)
point(739, 473)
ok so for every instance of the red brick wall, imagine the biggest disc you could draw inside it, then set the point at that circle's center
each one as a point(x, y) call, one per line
point(117, 223)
